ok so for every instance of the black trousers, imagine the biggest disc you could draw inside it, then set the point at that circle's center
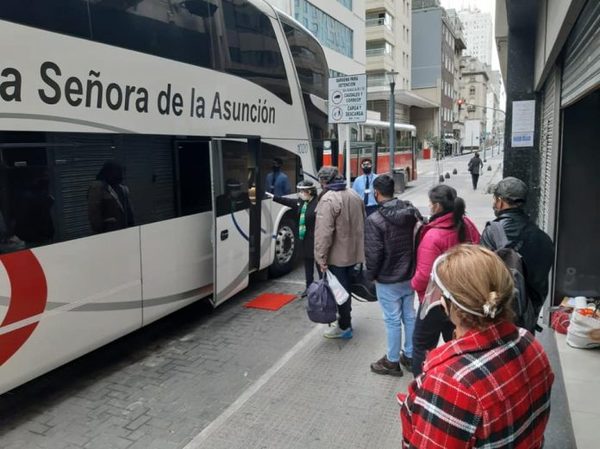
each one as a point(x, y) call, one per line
point(475, 179)
point(309, 270)
point(345, 310)
point(427, 334)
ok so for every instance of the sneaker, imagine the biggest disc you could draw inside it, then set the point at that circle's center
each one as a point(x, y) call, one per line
point(336, 332)
point(384, 366)
point(406, 361)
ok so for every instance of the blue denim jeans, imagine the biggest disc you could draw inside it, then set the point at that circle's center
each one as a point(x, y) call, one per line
point(397, 304)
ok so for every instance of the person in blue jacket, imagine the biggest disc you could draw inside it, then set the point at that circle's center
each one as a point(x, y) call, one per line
point(277, 182)
point(363, 185)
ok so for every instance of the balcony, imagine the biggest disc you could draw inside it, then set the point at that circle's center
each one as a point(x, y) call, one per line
point(379, 4)
point(379, 60)
point(377, 30)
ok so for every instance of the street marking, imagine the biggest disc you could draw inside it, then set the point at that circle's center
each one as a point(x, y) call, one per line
point(196, 442)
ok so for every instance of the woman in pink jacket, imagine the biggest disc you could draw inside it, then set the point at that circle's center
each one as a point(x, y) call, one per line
point(447, 227)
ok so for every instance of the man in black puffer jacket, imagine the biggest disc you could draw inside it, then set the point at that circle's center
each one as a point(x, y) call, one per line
point(389, 253)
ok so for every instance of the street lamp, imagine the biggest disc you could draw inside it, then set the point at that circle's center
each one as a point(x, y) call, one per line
point(391, 76)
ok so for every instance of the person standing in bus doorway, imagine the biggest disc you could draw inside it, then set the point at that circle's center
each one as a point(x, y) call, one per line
point(339, 239)
point(277, 182)
point(363, 185)
point(306, 208)
point(109, 208)
point(475, 166)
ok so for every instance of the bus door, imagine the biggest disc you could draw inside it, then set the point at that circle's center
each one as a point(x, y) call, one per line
point(232, 184)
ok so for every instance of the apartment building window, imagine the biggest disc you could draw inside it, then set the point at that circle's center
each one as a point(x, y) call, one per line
point(378, 48)
point(329, 31)
point(374, 19)
point(472, 90)
point(376, 79)
point(346, 3)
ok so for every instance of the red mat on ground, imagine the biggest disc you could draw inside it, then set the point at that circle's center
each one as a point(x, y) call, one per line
point(270, 301)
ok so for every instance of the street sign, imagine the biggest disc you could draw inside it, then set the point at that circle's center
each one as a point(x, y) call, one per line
point(348, 99)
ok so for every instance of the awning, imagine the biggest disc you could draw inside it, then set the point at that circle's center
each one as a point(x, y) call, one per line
point(451, 141)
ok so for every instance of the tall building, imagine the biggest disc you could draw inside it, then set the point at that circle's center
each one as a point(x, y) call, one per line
point(475, 87)
point(388, 32)
point(478, 31)
point(436, 41)
point(339, 25)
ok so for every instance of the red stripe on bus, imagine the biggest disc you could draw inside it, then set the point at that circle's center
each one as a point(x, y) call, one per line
point(28, 296)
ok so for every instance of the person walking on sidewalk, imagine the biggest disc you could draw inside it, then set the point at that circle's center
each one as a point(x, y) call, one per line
point(339, 239)
point(533, 244)
point(363, 185)
point(475, 166)
point(447, 227)
point(305, 206)
point(390, 260)
point(491, 385)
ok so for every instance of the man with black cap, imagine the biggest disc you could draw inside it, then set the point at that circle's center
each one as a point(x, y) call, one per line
point(533, 244)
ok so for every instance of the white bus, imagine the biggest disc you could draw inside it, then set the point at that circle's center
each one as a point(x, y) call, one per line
point(136, 138)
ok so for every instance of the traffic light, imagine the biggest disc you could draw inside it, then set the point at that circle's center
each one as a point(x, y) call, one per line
point(460, 102)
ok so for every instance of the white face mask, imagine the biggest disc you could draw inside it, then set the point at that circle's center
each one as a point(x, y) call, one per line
point(304, 196)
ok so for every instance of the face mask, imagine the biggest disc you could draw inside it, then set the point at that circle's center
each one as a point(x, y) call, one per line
point(276, 167)
point(304, 196)
point(367, 170)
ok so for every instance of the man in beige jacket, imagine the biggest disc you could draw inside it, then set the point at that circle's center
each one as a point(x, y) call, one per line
point(339, 239)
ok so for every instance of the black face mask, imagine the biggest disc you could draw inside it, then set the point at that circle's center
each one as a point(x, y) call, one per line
point(367, 170)
point(276, 167)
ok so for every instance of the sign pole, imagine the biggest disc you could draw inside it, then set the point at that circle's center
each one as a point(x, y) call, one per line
point(348, 155)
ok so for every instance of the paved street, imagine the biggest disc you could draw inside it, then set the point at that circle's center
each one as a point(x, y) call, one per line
point(230, 378)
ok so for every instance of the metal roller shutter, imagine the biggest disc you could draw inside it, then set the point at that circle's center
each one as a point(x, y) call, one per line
point(547, 141)
point(77, 160)
point(150, 176)
point(581, 72)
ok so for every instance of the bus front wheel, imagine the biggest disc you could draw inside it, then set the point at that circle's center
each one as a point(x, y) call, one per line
point(285, 248)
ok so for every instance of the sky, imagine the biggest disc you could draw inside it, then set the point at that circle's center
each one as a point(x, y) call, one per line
point(488, 6)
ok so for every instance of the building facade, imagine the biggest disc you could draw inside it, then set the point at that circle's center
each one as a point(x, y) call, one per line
point(475, 88)
point(435, 44)
point(339, 25)
point(478, 30)
point(388, 33)
point(549, 55)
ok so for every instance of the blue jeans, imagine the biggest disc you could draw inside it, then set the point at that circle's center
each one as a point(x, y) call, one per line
point(397, 304)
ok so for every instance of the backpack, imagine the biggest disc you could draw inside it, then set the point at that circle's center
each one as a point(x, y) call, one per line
point(526, 316)
point(360, 287)
point(321, 306)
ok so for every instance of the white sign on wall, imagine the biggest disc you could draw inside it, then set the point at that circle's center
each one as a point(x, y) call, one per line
point(348, 99)
point(523, 123)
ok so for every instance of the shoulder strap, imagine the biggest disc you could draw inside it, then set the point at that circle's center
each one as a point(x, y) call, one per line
point(498, 234)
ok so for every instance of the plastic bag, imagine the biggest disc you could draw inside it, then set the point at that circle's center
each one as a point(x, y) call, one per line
point(584, 329)
point(339, 292)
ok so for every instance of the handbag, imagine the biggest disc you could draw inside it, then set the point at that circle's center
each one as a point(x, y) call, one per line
point(361, 288)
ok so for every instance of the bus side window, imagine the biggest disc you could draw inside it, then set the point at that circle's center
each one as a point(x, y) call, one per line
point(26, 202)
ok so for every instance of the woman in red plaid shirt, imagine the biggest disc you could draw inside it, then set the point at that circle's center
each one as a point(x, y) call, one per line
point(490, 386)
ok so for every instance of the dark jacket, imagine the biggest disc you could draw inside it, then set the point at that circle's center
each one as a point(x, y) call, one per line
point(389, 242)
point(475, 165)
point(533, 244)
point(109, 208)
point(308, 244)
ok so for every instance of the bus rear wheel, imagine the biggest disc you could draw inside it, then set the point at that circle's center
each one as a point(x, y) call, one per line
point(285, 248)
